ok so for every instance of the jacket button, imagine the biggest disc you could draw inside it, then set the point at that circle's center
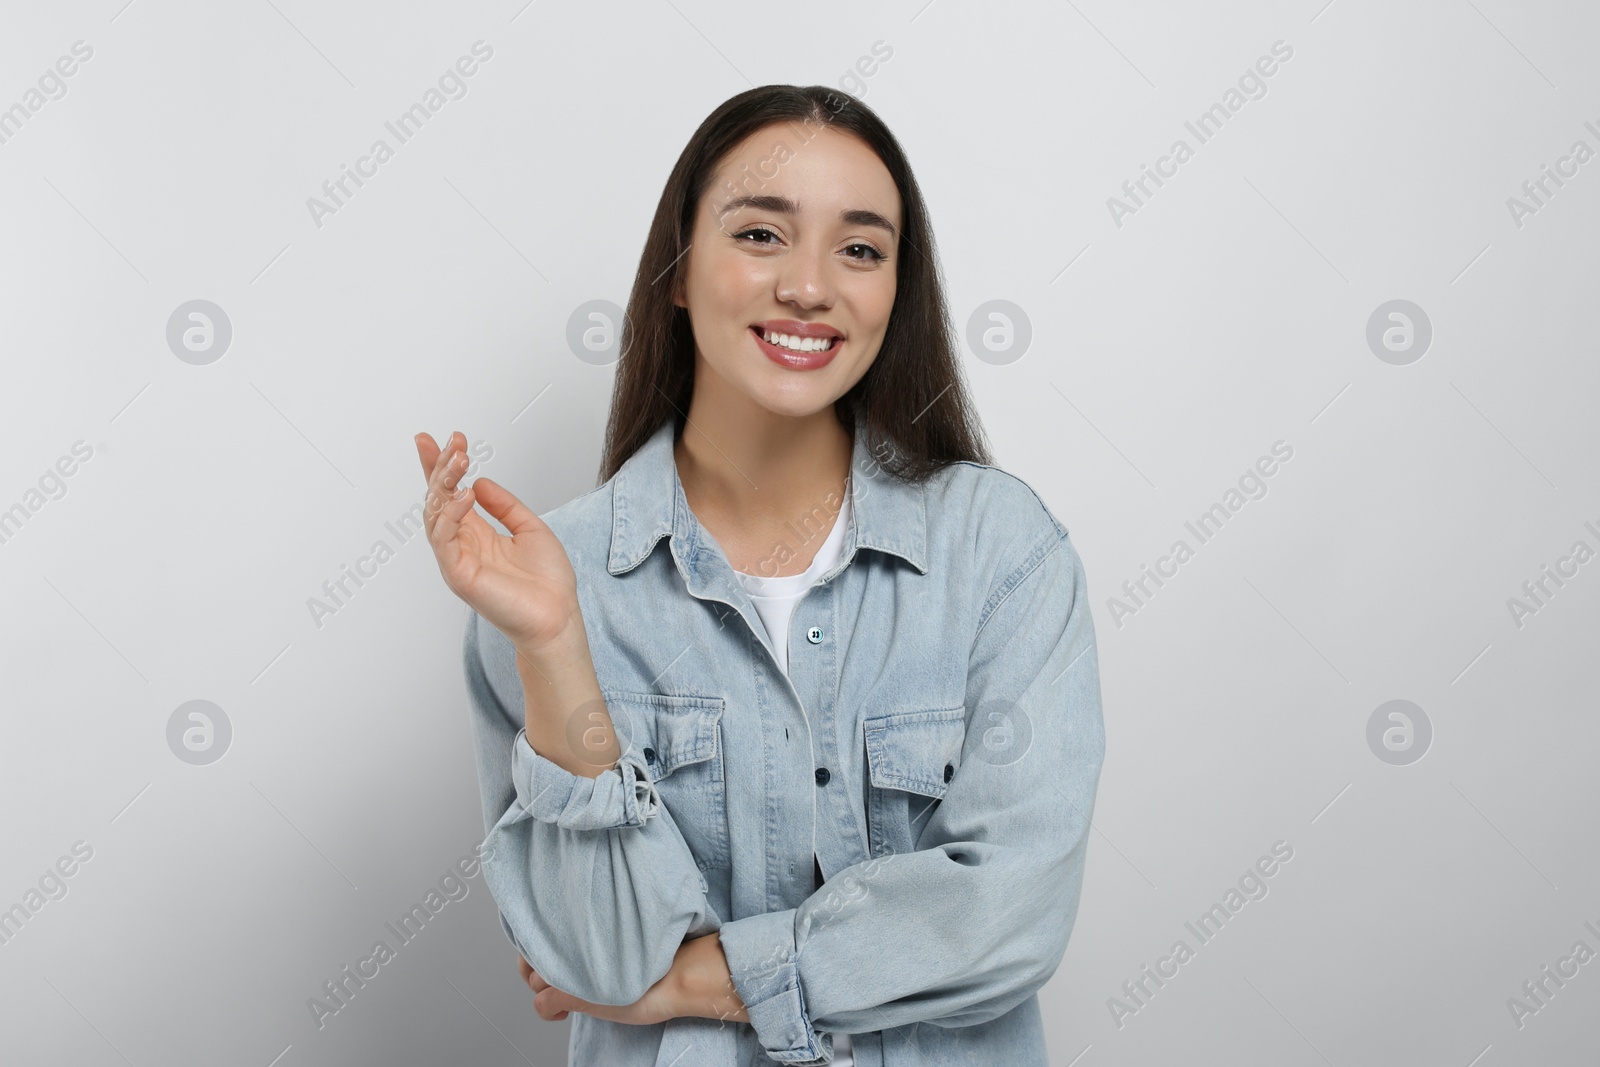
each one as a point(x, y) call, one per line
point(949, 772)
point(649, 755)
point(814, 635)
point(823, 776)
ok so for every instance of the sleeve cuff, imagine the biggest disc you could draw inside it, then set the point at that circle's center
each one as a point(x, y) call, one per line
point(622, 795)
point(766, 973)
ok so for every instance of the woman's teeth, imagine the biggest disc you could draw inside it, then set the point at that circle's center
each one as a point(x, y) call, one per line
point(798, 344)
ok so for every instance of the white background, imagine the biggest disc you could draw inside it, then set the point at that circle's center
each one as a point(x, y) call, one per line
point(1168, 353)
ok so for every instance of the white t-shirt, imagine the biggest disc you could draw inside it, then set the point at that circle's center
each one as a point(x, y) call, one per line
point(775, 600)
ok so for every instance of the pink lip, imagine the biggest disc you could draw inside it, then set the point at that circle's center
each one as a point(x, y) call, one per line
point(797, 360)
point(796, 328)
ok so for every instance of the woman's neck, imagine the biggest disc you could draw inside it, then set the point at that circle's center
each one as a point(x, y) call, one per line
point(768, 491)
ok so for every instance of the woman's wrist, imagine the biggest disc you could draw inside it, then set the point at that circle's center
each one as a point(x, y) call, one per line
point(702, 985)
point(556, 653)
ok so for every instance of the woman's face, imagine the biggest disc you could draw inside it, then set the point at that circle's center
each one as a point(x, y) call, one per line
point(791, 237)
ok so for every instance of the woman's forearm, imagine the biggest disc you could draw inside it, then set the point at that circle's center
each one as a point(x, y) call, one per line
point(565, 715)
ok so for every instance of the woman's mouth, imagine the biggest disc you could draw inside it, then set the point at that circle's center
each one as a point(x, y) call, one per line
point(806, 355)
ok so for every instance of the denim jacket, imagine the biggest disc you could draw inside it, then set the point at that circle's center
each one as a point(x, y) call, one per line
point(936, 743)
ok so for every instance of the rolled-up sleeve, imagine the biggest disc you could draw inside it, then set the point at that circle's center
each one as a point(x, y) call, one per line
point(975, 919)
point(623, 795)
point(596, 887)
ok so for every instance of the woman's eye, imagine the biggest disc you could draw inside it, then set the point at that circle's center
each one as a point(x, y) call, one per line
point(755, 230)
point(872, 252)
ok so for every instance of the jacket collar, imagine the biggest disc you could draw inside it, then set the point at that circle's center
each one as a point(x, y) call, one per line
point(648, 503)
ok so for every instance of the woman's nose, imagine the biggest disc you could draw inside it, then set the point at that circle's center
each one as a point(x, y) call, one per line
point(803, 278)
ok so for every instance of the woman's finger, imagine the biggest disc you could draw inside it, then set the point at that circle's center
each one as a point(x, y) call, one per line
point(427, 452)
point(531, 976)
point(499, 501)
point(551, 1003)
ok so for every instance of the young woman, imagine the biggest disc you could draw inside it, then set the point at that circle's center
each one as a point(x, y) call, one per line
point(789, 732)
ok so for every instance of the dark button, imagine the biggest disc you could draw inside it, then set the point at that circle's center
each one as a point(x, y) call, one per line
point(949, 772)
point(649, 755)
point(823, 776)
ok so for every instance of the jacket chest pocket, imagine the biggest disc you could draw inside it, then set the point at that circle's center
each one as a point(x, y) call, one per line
point(911, 757)
point(680, 741)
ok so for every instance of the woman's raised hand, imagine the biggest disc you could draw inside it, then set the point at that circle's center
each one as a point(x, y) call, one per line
point(523, 584)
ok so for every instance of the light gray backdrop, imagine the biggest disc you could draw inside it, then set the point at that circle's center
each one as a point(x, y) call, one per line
point(1136, 352)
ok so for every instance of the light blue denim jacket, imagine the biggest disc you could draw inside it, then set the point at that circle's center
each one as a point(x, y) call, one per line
point(938, 736)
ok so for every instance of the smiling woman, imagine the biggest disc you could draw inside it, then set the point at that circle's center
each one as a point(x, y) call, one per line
point(747, 808)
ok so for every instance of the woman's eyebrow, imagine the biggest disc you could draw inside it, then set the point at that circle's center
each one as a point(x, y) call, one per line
point(782, 205)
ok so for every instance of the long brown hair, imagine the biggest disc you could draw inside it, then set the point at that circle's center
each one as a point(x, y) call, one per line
point(918, 413)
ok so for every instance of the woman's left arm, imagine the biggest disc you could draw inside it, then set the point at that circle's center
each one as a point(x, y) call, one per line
point(971, 924)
